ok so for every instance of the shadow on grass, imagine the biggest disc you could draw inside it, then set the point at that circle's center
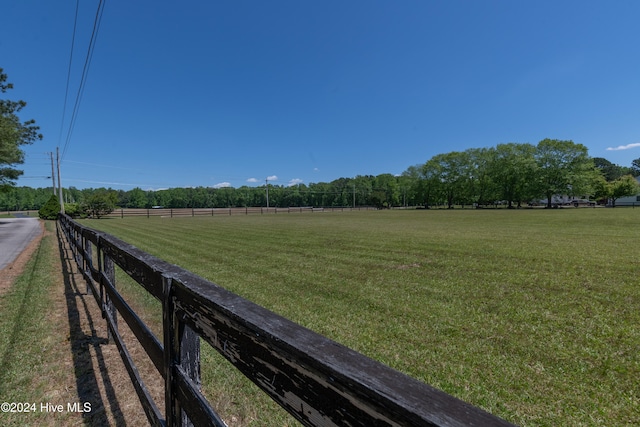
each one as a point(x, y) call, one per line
point(82, 344)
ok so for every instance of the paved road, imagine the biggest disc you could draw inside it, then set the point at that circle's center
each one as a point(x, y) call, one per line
point(15, 235)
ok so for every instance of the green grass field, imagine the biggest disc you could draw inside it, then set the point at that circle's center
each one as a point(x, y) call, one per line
point(533, 315)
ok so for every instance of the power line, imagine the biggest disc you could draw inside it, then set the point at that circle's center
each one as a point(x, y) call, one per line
point(66, 92)
point(85, 73)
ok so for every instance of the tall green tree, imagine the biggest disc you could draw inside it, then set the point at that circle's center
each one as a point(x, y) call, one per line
point(363, 186)
point(564, 168)
point(481, 188)
point(137, 198)
point(410, 184)
point(386, 187)
point(341, 192)
point(432, 188)
point(14, 133)
point(512, 170)
point(452, 169)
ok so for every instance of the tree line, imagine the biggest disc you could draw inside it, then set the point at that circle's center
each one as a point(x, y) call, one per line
point(382, 190)
point(515, 173)
point(512, 173)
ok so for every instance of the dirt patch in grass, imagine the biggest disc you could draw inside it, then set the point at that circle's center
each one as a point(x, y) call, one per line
point(408, 266)
point(9, 274)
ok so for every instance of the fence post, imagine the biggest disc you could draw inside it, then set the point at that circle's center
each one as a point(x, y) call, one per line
point(181, 347)
point(86, 257)
point(110, 273)
point(77, 248)
point(171, 404)
point(189, 344)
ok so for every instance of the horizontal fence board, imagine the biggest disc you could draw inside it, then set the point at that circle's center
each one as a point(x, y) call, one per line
point(145, 337)
point(194, 403)
point(151, 409)
point(145, 269)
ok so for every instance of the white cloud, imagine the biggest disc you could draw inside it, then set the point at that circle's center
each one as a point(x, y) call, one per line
point(316, 169)
point(272, 178)
point(222, 184)
point(294, 181)
point(624, 147)
point(252, 180)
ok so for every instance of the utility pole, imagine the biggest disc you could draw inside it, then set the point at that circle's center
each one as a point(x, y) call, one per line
point(354, 196)
point(53, 174)
point(266, 181)
point(59, 182)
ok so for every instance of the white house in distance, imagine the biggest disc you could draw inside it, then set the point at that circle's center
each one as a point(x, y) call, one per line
point(631, 200)
point(562, 200)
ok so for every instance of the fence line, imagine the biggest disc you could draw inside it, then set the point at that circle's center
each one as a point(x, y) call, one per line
point(318, 381)
point(21, 212)
point(181, 212)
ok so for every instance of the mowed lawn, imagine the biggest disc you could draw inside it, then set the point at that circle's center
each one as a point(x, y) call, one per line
point(533, 315)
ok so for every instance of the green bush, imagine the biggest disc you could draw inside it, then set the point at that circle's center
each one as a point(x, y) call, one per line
point(74, 210)
point(51, 209)
point(100, 203)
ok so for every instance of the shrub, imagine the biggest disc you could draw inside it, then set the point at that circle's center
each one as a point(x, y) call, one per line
point(51, 209)
point(101, 203)
point(74, 210)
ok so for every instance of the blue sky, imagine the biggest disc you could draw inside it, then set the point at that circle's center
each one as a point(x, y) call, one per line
point(214, 93)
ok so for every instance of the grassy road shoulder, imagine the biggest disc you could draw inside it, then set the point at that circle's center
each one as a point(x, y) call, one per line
point(55, 365)
point(29, 342)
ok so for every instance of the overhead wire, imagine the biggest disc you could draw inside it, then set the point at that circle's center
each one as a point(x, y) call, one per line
point(85, 73)
point(66, 92)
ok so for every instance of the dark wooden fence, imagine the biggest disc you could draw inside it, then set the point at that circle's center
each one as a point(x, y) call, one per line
point(180, 212)
point(318, 381)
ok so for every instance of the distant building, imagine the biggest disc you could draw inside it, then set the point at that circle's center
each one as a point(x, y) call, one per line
point(569, 201)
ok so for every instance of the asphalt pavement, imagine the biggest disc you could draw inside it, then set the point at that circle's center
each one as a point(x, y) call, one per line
point(15, 235)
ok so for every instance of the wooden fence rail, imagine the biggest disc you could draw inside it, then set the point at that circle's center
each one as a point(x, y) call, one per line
point(318, 381)
point(180, 212)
